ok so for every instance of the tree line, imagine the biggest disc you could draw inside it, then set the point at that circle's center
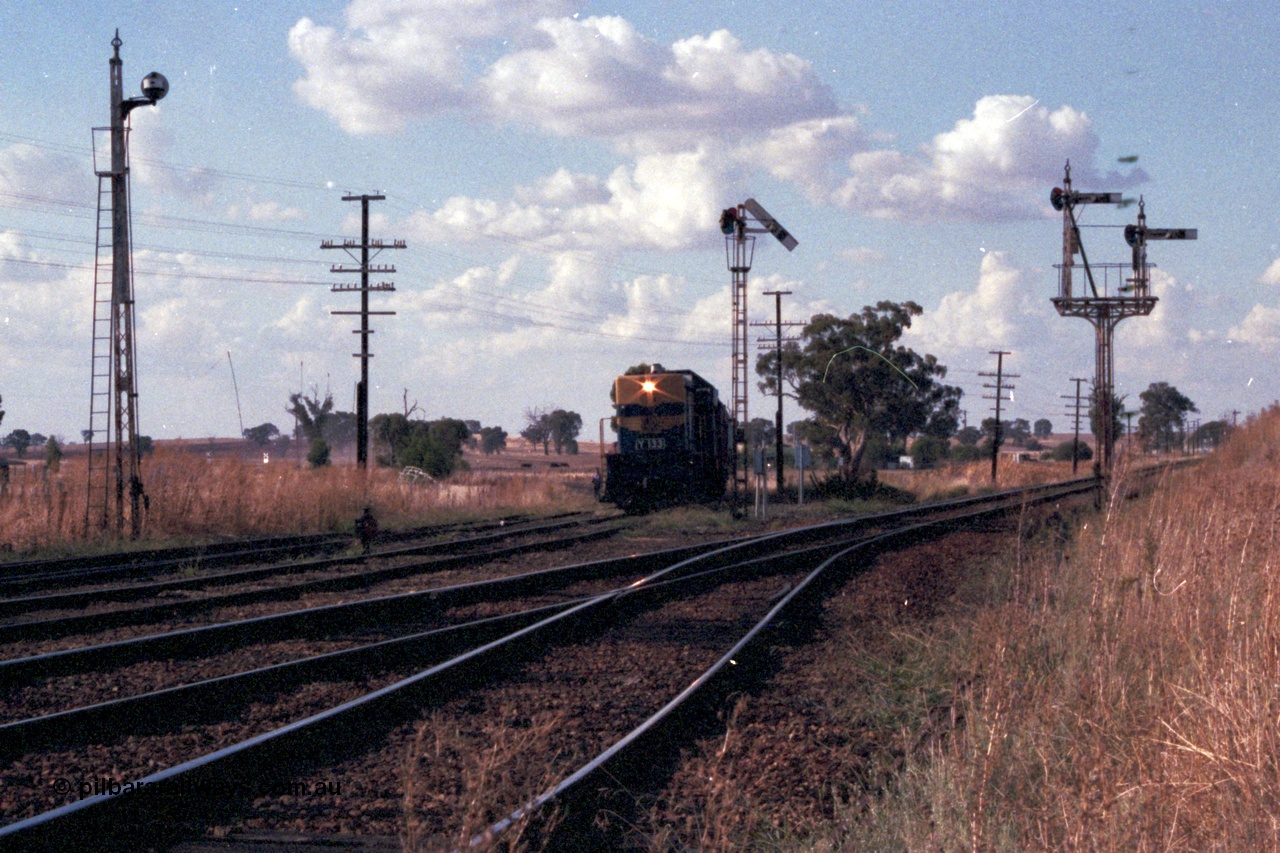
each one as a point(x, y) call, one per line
point(869, 398)
point(400, 441)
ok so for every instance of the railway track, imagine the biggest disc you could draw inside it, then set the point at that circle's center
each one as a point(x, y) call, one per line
point(18, 576)
point(17, 624)
point(160, 805)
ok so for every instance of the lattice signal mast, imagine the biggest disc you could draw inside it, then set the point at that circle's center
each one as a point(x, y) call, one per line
point(740, 247)
point(113, 388)
point(364, 245)
point(1101, 308)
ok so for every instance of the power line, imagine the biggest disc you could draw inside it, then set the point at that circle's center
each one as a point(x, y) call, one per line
point(47, 205)
point(999, 387)
point(403, 204)
point(1075, 447)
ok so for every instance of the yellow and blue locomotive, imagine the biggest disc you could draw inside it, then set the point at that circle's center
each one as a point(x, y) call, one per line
point(674, 441)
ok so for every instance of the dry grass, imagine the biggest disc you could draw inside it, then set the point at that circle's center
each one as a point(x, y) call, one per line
point(975, 477)
point(191, 497)
point(1121, 692)
point(447, 776)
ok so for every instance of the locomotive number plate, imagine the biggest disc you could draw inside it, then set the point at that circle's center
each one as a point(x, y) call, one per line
point(651, 443)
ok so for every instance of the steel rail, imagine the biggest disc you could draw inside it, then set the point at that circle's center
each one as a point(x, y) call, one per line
point(18, 574)
point(135, 591)
point(62, 626)
point(177, 553)
point(213, 697)
point(159, 803)
point(131, 568)
point(327, 619)
point(123, 822)
point(575, 798)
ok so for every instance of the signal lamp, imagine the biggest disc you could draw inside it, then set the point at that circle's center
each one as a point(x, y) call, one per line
point(728, 221)
point(1057, 198)
point(1132, 235)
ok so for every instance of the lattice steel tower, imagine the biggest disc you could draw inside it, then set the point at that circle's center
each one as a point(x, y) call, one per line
point(1132, 297)
point(113, 390)
point(740, 247)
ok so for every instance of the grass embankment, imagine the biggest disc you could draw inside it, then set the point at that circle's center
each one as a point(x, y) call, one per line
point(194, 498)
point(1116, 691)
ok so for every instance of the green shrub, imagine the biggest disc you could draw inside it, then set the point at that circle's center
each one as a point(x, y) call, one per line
point(1062, 452)
point(928, 451)
point(318, 455)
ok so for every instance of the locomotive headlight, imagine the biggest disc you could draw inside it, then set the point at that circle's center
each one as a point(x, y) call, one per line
point(648, 386)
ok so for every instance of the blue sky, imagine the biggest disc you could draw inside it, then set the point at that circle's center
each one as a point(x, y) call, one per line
point(557, 169)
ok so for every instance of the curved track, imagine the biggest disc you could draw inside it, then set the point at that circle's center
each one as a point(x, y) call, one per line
point(493, 646)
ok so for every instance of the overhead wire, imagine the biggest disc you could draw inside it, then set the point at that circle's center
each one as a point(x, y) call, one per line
point(83, 210)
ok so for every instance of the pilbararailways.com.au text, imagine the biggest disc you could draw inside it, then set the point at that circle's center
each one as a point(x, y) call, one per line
point(97, 786)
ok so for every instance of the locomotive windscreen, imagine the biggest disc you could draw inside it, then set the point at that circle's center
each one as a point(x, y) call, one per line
point(649, 390)
point(650, 404)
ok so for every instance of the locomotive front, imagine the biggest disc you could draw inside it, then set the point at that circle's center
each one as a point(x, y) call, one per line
point(672, 440)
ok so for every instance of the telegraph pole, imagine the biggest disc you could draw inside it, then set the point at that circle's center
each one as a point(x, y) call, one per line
point(1101, 308)
point(1075, 442)
point(364, 268)
point(1000, 387)
point(739, 248)
point(114, 330)
point(778, 324)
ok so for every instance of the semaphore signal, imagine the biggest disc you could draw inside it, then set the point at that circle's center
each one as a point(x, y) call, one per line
point(1103, 309)
point(739, 247)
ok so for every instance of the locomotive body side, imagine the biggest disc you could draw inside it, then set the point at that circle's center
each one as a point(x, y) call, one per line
point(673, 441)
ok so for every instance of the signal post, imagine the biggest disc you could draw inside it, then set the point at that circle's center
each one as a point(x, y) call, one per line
point(739, 246)
point(1101, 308)
point(113, 385)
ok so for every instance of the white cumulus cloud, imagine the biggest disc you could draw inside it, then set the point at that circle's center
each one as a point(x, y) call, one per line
point(32, 176)
point(993, 166)
point(401, 60)
point(663, 201)
point(599, 78)
point(1260, 328)
point(1272, 274)
point(1004, 311)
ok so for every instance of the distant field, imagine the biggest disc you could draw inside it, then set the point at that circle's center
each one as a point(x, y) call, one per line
point(227, 488)
point(208, 488)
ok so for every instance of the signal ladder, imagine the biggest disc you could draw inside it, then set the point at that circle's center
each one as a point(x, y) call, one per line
point(100, 385)
point(740, 251)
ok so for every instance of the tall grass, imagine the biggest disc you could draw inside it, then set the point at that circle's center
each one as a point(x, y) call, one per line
point(192, 497)
point(974, 477)
point(1120, 692)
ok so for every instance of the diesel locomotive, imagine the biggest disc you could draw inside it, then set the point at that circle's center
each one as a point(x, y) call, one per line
point(674, 441)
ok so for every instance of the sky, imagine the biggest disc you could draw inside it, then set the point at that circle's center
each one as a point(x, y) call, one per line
point(557, 169)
